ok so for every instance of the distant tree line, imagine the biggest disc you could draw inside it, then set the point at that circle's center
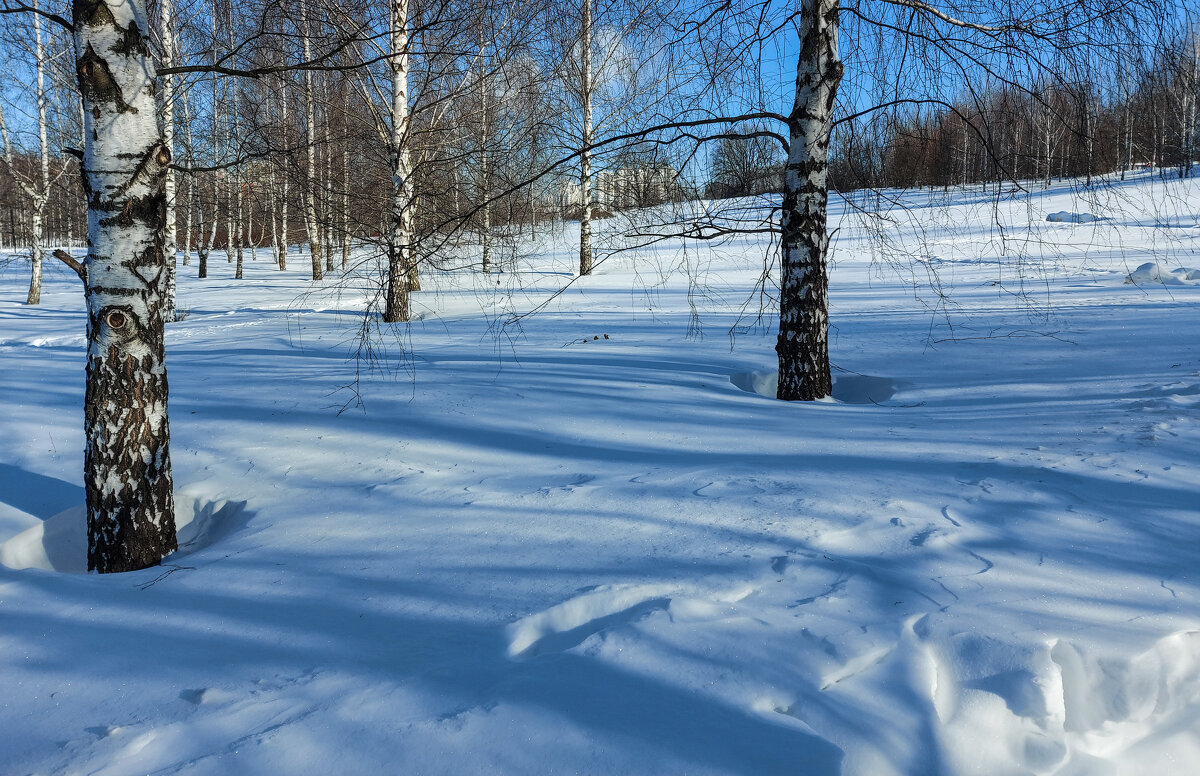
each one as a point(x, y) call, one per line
point(1143, 117)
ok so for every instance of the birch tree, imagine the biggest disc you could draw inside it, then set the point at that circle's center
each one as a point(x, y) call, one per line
point(587, 95)
point(166, 37)
point(37, 186)
point(951, 46)
point(607, 84)
point(127, 464)
point(312, 173)
point(803, 341)
point(400, 235)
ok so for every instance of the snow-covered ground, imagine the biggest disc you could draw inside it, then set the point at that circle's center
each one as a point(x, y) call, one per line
point(587, 545)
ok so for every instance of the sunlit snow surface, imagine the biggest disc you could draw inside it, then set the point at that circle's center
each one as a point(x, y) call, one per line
point(555, 552)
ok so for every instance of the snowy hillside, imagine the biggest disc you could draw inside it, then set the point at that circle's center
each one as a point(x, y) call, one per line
point(588, 544)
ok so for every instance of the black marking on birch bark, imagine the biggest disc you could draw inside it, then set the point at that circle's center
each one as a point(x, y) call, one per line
point(151, 257)
point(115, 291)
point(148, 210)
point(148, 170)
point(93, 13)
point(131, 41)
point(97, 82)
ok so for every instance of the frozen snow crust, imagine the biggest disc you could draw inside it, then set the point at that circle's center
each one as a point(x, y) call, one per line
point(573, 554)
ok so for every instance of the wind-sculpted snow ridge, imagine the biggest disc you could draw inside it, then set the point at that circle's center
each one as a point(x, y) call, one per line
point(621, 555)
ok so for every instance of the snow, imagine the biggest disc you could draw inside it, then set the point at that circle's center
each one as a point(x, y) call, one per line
point(1152, 272)
point(541, 552)
point(1067, 217)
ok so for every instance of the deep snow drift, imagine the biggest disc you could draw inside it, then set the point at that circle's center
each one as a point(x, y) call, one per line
point(538, 549)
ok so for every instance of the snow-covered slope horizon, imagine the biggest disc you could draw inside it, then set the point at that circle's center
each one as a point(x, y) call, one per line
point(588, 543)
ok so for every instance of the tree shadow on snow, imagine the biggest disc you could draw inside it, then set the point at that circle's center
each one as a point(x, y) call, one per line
point(37, 494)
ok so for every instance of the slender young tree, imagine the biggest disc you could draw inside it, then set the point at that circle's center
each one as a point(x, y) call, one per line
point(166, 36)
point(36, 187)
point(312, 174)
point(587, 93)
point(400, 235)
point(484, 151)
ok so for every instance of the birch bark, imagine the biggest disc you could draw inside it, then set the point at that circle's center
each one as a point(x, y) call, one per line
point(310, 124)
point(400, 235)
point(585, 156)
point(167, 38)
point(327, 223)
point(127, 466)
point(345, 203)
point(191, 185)
point(485, 172)
point(803, 341)
point(283, 222)
point(38, 191)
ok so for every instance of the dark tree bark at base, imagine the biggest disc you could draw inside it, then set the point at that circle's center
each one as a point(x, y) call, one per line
point(132, 526)
point(396, 304)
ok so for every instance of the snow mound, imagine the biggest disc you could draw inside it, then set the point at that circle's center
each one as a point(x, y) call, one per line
point(764, 382)
point(1061, 707)
point(1067, 217)
point(59, 543)
point(847, 389)
point(1154, 273)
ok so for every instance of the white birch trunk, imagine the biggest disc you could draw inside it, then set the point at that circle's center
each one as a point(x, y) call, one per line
point(585, 156)
point(803, 341)
point(167, 82)
point(191, 182)
point(127, 469)
point(400, 233)
point(273, 215)
point(1188, 108)
point(484, 156)
point(37, 190)
point(236, 236)
point(231, 194)
point(43, 195)
point(345, 219)
point(327, 223)
point(310, 125)
point(283, 223)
